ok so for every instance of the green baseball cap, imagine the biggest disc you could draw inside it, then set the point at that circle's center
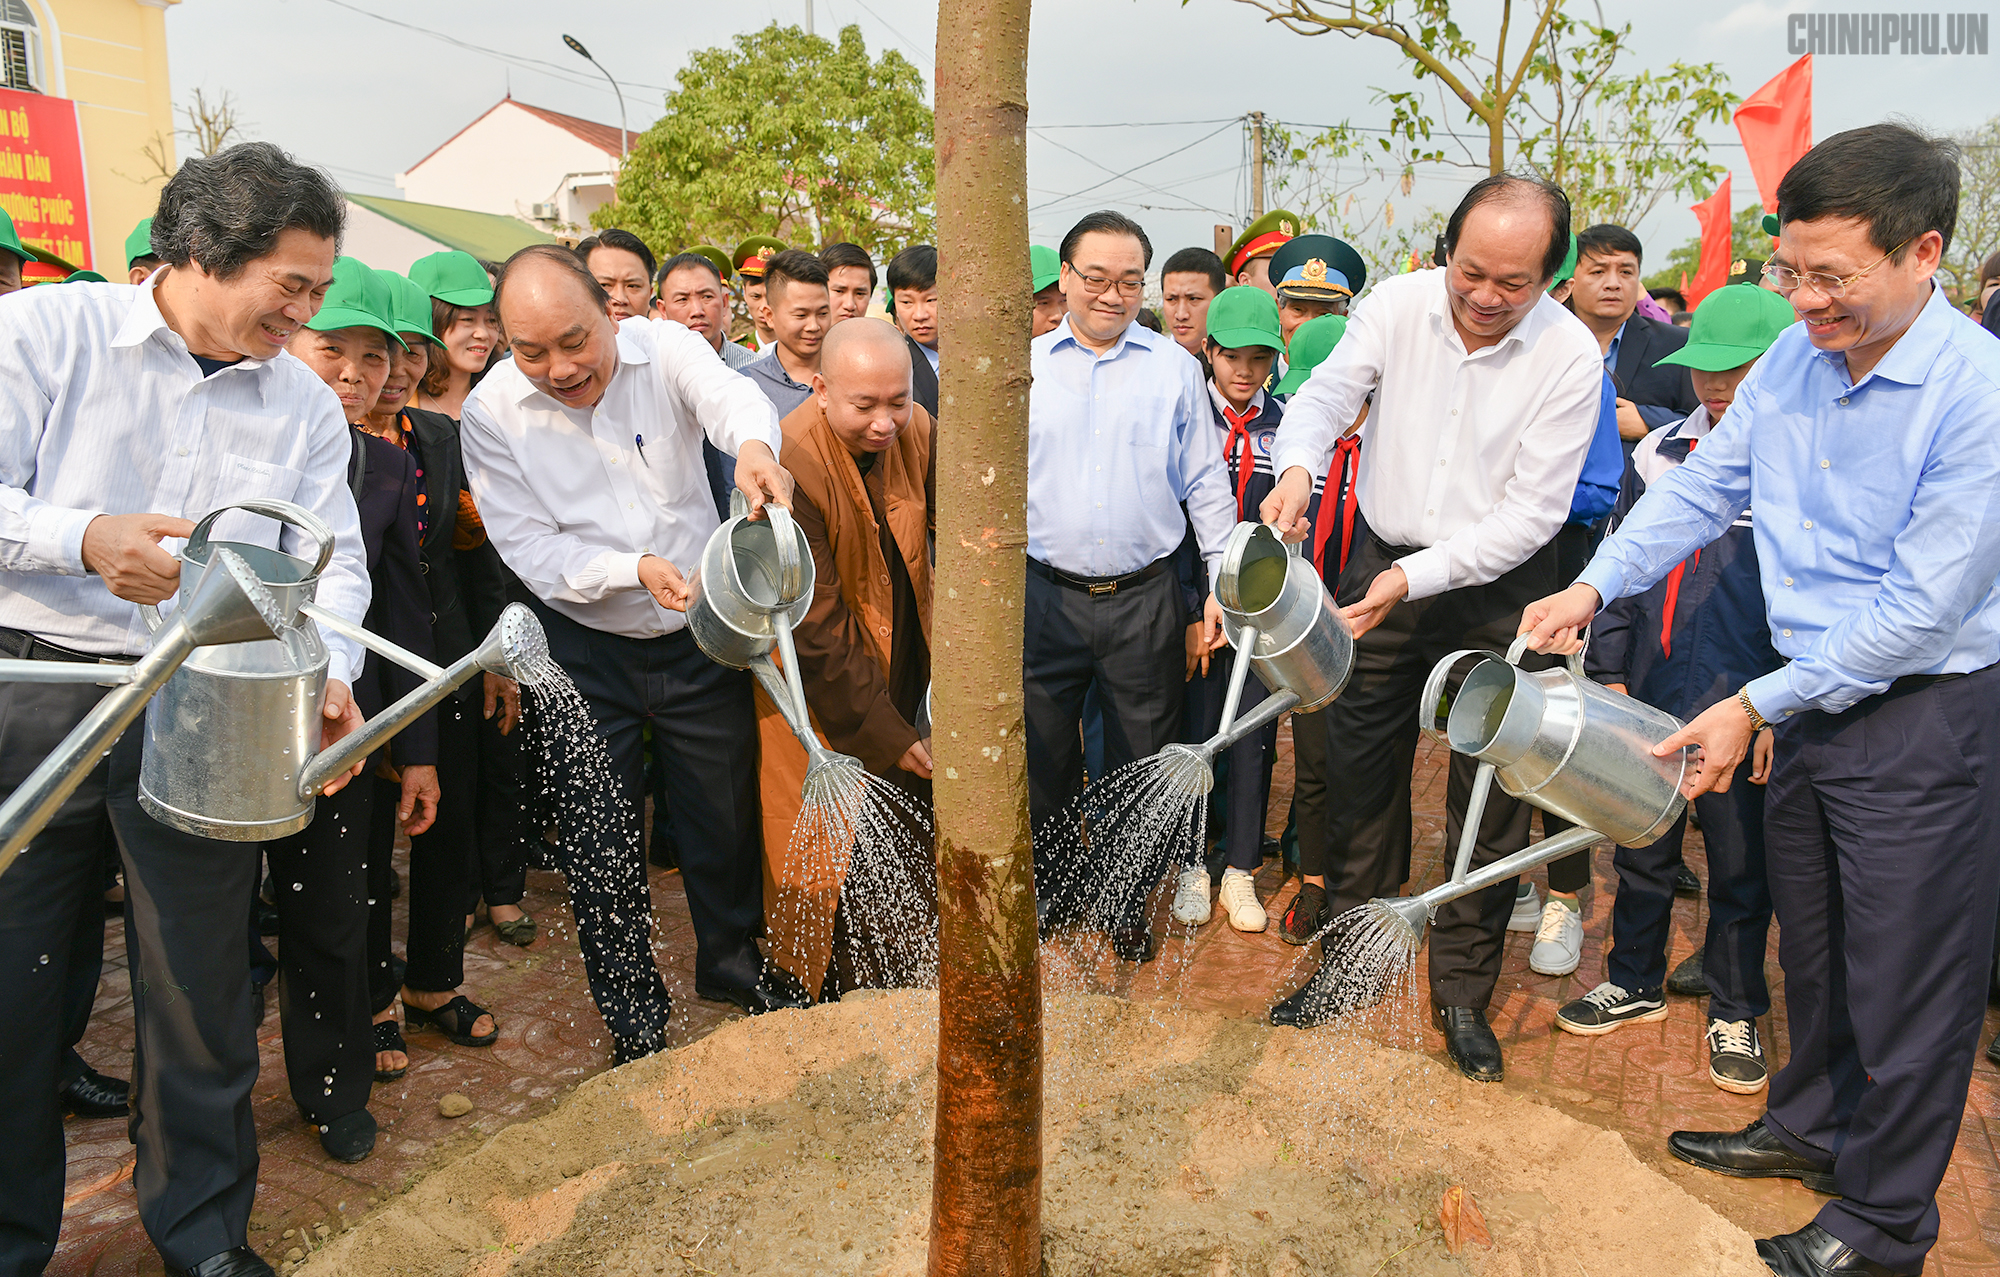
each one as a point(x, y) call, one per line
point(723, 266)
point(1244, 316)
point(11, 242)
point(139, 243)
point(1045, 264)
point(357, 299)
point(85, 277)
point(1568, 268)
point(409, 307)
point(453, 277)
point(1732, 326)
point(1312, 342)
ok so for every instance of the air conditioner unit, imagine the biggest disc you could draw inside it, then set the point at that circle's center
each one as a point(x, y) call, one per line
point(547, 213)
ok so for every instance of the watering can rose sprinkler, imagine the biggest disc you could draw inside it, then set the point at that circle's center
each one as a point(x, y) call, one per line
point(237, 678)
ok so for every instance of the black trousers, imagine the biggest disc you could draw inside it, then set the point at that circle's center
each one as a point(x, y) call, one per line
point(195, 1052)
point(1309, 790)
point(1880, 826)
point(1739, 904)
point(1371, 742)
point(705, 743)
point(1132, 644)
point(501, 821)
point(441, 867)
point(321, 879)
point(1248, 783)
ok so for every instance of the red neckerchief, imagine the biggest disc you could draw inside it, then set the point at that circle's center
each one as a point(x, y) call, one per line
point(1674, 592)
point(1239, 427)
point(1346, 456)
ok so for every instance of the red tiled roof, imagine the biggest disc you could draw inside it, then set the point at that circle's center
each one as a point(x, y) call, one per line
point(602, 136)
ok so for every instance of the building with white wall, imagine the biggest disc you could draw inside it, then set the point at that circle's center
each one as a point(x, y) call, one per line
point(546, 168)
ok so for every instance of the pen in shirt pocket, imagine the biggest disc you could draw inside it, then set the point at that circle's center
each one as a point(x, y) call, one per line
point(639, 441)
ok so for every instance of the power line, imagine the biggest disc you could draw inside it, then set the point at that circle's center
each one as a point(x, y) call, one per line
point(1128, 172)
point(515, 59)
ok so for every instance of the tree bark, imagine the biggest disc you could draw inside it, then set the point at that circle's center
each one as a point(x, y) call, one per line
point(987, 1182)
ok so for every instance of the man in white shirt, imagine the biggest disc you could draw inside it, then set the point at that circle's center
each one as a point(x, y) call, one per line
point(1485, 400)
point(584, 452)
point(126, 412)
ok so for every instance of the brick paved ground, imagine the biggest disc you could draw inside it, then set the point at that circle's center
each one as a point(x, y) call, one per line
point(1642, 1081)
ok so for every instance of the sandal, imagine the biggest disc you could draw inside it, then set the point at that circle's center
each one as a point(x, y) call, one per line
point(520, 931)
point(454, 1019)
point(389, 1037)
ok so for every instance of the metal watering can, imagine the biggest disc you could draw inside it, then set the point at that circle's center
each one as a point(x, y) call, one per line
point(1560, 741)
point(232, 742)
point(227, 604)
point(1286, 625)
point(754, 583)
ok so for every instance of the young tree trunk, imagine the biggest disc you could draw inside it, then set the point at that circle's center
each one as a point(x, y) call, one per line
point(987, 1185)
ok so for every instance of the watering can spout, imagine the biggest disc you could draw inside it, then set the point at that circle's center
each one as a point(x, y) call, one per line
point(515, 648)
point(1412, 911)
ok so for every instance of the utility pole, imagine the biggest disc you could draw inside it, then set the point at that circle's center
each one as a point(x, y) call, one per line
point(1256, 165)
point(809, 17)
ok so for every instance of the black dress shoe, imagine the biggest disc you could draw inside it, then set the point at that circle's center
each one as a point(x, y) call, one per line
point(1814, 1252)
point(1687, 978)
point(1470, 1041)
point(765, 995)
point(1686, 884)
point(91, 1094)
point(349, 1137)
point(1751, 1153)
point(1133, 944)
point(1993, 1049)
point(238, 1261)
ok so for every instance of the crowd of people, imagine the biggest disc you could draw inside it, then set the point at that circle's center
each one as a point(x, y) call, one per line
point(1517, 439)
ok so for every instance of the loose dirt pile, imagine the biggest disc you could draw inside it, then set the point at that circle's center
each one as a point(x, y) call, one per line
point(1176, 1143)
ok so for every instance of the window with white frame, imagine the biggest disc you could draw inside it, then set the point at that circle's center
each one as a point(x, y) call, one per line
point(20, 47)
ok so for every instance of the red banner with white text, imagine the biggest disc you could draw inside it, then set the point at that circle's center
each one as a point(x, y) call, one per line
point(42, 183)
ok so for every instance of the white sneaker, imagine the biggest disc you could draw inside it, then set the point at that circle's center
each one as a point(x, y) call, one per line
point(1239, 897)
point(1527, 915)
point(1558, 941)
point(1191, 897)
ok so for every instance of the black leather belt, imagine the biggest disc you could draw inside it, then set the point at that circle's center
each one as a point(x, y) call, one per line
point(1100, 585)
point(23, 646)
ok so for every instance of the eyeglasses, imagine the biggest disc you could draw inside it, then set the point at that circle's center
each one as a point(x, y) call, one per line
point(1831, 287)
point(1095, 284)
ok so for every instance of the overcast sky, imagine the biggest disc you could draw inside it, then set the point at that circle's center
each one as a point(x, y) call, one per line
point(1113, 84)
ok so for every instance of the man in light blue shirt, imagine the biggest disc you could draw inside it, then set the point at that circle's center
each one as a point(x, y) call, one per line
point(1868, 440)
point(1121, 459)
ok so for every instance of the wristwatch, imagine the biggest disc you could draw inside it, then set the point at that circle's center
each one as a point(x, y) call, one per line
point(1757, 723)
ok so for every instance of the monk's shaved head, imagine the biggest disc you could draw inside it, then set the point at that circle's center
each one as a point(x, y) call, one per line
point(863, 384)
point(873, 346)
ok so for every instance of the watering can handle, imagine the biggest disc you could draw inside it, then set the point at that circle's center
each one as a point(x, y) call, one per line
point(1520, 645)
point(1427, 708)
point(283, 511)
point(791, 568)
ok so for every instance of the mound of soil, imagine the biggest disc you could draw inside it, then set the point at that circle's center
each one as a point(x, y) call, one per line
point(1177, 1143)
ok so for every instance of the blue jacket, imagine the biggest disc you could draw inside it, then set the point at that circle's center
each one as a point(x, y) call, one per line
point(1603, 466)
point(1699, 634)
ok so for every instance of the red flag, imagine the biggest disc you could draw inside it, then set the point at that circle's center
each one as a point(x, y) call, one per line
point(1776, 126)
point(1713, 273)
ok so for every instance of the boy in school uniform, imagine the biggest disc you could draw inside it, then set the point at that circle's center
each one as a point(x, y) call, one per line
point(1684, 645)
point(1243, 342)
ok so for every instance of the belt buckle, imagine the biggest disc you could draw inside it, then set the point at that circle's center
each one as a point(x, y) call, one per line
point(1102, 587)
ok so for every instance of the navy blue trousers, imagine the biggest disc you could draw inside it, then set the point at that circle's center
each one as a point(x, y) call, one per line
point(1880, 826)
point(1739, 904)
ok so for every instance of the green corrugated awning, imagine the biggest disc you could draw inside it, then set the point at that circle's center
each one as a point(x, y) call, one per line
point(490, 236)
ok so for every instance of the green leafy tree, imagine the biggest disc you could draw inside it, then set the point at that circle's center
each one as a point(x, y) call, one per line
point(1978, 231)
point(784, 134)
point(1747, 240)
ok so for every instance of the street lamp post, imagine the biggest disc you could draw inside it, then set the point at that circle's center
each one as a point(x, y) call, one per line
point(577, 46)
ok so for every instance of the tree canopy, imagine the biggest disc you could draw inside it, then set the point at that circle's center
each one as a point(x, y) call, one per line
point(787, 134)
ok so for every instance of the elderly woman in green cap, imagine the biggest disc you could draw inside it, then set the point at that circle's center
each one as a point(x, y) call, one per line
point(321, 874)
point(13, 255)
point(464, 323)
